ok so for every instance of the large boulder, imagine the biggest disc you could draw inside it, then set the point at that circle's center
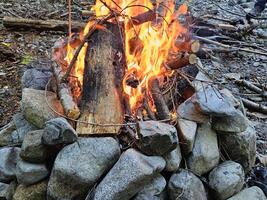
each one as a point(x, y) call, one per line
point(3, 191)
point(240, 147)
point(30, 173)
point(79, 166)
point(152, 189)
point(185, 185)
point(227, 179)
point(186, 131)
point(129, 175)
point(156, 138)
point(231, 124)
point(58, 131)
point(205, 155)
point(32, 192)
point(173, 159)
point(37, 106)
point(8, 161)
point(253, 193)
point(32, 149)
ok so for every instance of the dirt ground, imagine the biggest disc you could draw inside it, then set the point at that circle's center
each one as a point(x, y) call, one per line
point(27, 46)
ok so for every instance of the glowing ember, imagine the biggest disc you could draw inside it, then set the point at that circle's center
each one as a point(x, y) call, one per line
point(147, 44)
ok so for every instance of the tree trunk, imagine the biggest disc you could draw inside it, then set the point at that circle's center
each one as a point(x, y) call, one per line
point(102, 91)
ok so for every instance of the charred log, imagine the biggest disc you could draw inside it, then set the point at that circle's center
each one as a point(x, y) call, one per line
point(102, 92)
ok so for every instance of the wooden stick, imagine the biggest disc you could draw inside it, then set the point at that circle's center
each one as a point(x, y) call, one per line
point(254, 106)
point(252, 87)
point(52, 25)
point(230, 47)
point(163, 111)
point(71, 109)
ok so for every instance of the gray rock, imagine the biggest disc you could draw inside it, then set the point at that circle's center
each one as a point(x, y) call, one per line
point(11, 190)
point(8, 161)
point(147, 197)
point(35, 108)
point(227, 179)
point(58, 131)
point(22, 127)
point(253, 193)
point(201, 81)
point(13, 133)
point(228, 94)
point(32, 149)
point(78, 167)
point(36, 79)
point(185, 185)
point(152, 189)
point(186, 132)
point(6, 138)
point(128, 176)
point(205, 155)
point(156, 138)
point(173, 159)
point(30, 173)
point(190, 110)
point(214, 103)
point(241, 147)
point(3, 191)
point(32, 192)
point(232, 124)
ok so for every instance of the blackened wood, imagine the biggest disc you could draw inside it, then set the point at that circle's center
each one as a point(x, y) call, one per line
point(159, 101)
point(102, 92)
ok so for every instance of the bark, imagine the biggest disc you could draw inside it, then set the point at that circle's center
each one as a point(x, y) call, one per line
point(102, 92)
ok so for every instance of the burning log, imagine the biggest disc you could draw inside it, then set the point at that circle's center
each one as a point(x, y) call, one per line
point(159, 101)
point(54, 25)
point(71, 109)
point(181, 60)
point(144, 17)
point(102, 92)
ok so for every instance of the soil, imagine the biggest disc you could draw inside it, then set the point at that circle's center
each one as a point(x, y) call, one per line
point(26, 46)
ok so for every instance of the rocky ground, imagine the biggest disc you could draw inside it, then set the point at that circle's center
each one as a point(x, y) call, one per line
point(32, 49)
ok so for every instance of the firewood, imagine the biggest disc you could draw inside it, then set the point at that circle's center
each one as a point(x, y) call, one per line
point(71, 109)
point(144, 17)
point(102, 90)
point(159, 101)
point(52, 25)
point(181, 61)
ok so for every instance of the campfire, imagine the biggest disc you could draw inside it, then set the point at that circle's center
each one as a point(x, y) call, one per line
point(119, 63)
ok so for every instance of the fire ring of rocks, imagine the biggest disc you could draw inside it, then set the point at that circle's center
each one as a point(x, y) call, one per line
point(102, 122)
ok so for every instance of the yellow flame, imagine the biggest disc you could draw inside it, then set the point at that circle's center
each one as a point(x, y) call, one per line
point(155, 39)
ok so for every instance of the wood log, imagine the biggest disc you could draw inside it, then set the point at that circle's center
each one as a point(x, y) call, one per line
point(102, 92)
point(163, 111)
point(71, 109)
point(181, 60)
point(51, 25)
point(254, 106)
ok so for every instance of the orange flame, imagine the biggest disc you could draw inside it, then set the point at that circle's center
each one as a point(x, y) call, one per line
point(147, 45)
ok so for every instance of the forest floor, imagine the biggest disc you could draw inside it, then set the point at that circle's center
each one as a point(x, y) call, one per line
point(28, 46)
